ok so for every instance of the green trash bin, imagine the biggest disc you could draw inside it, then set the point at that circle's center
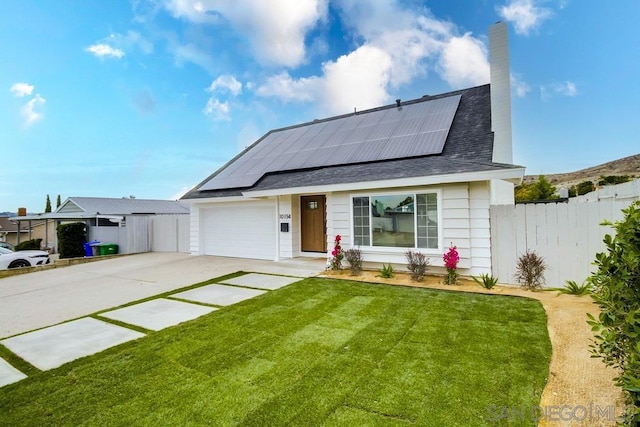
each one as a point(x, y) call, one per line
point(108, 248)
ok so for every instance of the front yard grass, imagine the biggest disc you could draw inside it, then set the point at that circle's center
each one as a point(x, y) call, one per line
point(318, 352)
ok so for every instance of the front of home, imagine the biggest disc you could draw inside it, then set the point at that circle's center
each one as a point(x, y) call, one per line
point(416, 175)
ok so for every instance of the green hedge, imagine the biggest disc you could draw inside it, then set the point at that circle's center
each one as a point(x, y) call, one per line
point(616, 289)
point(71, 239)
point(28, 245)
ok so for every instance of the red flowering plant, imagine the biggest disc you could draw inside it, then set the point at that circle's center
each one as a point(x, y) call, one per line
point(335, 262)
point(451, 259)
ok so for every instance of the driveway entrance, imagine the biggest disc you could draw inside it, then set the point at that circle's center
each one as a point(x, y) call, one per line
point(40, 299)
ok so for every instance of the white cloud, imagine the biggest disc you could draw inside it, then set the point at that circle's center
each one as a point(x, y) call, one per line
point(286, 88)
point(31, 110)
point(358, 80)
point(228, 83)
point(395, 46)
point(181, 192)
point(217, 110)
point(566, 88)
point(519, 86)
point(191, 53)
point(129, 41)
point(525, 15)
point(21, 89)
point(464, 62)
point(102, 50)
point(276, 29)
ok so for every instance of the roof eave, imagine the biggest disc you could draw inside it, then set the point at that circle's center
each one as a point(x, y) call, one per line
point(513, 175)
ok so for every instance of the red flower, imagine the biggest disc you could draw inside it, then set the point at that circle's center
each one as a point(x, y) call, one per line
point(338, 238)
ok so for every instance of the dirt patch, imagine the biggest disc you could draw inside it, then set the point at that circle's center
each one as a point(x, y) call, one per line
point(579, 390)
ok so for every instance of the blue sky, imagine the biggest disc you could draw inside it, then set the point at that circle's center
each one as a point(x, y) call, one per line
point(148, 97)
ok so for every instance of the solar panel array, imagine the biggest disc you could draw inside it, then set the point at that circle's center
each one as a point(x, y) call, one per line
point(412, 130)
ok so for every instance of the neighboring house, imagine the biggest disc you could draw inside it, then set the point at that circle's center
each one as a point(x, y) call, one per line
point(9, 231)
point(41, 229)
point(103, 215)
point(418, 175)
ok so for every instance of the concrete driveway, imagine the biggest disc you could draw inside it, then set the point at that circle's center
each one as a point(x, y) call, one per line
point(45, 298)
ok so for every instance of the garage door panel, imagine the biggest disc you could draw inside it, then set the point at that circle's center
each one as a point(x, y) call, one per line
point(245, 230)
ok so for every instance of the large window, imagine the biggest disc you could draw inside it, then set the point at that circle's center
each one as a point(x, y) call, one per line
point(396, 221)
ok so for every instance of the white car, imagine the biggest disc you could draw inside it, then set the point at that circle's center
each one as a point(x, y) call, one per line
point(11, 259)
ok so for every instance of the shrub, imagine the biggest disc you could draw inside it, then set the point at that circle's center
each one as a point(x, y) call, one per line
point(354, 258)
point(451, 259)
point(386, 271)
point(530, 270)
point(616, 286)
point(71, 239)
point(485, 280)
point(417, 264)
point(28, 245)
point(572, 288)
point(336, 254)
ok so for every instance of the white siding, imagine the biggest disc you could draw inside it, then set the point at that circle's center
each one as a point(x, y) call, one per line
point(295, 225)
point(195, 246)
point(285, 215)
point(456, 214)
point(464, 223)
point(338, 219)
point(480, 228)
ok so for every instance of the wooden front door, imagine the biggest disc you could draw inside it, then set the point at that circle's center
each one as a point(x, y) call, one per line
point(313, 217)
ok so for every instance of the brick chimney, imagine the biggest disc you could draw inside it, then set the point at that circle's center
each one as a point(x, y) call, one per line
point(22, 211)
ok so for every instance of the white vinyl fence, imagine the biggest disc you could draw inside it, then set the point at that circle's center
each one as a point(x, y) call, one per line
point(567, 236)
point(146, 233)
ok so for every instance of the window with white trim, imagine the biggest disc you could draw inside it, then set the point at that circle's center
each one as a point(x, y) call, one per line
point(396, 220)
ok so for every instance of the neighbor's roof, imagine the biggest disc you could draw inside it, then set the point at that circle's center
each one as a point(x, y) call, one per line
point(123, 206)
point(8, 226)
point(437, 135)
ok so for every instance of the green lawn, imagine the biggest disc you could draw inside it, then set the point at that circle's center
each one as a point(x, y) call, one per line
point(319, 352)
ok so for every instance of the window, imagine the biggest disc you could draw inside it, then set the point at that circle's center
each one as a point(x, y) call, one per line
point(396, 221)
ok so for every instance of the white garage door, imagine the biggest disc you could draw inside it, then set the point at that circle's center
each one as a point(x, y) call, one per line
point(244, 230)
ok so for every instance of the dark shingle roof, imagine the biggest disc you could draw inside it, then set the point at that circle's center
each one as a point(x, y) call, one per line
point(468, 148)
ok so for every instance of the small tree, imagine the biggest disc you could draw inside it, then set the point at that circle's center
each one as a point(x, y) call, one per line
point(616, 289)
point(58, 202)
point(47, 208)
point(71, 239)
point(541, 189)
point(584, 187)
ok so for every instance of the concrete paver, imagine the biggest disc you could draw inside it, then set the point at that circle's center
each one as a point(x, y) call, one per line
point(9, 374)
point(262, 281)
point(56, 345)
point(218, 294)
point(44, 298)
point(158, 314)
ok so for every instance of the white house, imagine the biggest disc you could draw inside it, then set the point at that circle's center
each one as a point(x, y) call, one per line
point(418, 174)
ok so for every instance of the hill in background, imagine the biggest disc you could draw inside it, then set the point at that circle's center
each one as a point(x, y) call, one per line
point(625, 166)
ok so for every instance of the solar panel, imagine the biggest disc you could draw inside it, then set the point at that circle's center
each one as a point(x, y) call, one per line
point(392, 133)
